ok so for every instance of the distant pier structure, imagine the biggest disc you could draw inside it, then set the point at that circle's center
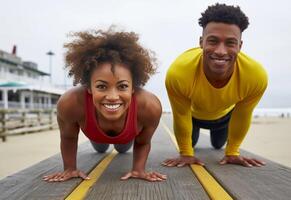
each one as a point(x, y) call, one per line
point(23, 85)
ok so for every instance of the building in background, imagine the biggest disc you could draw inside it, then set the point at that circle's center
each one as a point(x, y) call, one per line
point(22, 85)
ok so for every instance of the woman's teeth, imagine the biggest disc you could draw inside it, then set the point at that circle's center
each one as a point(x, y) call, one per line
point(112, 106)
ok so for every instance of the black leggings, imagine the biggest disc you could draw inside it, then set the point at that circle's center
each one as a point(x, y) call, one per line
point(218, 130)
point(101, 147)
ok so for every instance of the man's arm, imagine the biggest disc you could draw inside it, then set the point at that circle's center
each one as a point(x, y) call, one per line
point(182, 121)
point(182, 117)
point(238, 126)
point(240, 122)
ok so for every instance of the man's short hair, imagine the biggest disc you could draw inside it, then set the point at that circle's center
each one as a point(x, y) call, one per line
point(225, 14)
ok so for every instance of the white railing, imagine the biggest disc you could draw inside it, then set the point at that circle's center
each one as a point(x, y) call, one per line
point(20, 121)
point(15, 105)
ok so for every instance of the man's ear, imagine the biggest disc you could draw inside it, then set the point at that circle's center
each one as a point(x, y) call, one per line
point(201, 42)
point(240, 45)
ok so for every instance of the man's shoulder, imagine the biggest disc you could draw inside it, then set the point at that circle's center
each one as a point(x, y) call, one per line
point(187, 62)
point(188, 56)
point(248, 61)
point(250, 66)
point(252, 73)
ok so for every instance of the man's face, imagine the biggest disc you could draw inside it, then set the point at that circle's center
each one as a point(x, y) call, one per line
point(220, 43)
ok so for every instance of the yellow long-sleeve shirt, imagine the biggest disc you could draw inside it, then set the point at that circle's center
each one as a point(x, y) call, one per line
point(191, 94)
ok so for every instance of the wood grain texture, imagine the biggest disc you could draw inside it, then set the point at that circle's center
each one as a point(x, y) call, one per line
point(28, 184)
point(269, 182)
point(180, 185)
point(272, 181)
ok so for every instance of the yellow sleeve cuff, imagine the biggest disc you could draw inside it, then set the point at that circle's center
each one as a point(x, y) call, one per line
point(232, 150)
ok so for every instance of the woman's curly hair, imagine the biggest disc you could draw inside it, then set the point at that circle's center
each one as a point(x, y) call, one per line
point(225, 14)
point(92, 48)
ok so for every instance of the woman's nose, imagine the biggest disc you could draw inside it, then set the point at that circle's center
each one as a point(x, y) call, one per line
point(112, 95)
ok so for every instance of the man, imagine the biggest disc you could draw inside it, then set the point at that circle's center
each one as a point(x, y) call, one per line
point(215, 87)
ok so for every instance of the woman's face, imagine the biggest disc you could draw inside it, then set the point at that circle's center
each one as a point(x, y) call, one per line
point(111, 92)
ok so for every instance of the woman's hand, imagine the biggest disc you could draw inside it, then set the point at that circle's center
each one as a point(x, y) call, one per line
point(65, 175)
point(240, 160)
point(149, 176)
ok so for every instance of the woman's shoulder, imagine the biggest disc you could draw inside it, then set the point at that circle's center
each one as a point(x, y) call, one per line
point(71, 104)
point(149, 107)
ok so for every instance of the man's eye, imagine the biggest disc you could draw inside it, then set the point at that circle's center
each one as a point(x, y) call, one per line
point(212, 41)
point(231, 43)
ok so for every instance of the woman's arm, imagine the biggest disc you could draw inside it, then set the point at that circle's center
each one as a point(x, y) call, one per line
point(149, 113)
point(67, 117)
point(69, 143)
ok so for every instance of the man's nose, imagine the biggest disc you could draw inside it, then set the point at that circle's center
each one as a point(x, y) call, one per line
point(220, 49)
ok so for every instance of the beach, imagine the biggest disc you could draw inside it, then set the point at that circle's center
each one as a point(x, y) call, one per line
point(268, 137)
point(22, 151)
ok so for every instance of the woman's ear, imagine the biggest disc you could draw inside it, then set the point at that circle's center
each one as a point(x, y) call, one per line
point(89, 90)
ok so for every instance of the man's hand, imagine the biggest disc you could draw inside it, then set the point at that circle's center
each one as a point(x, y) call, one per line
point(149, 176)
point(65, 175)
point(181, 161)
point(240, 160)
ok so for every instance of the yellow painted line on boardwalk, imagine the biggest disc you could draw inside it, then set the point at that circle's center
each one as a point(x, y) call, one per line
point(82, 189)
point(211, 186)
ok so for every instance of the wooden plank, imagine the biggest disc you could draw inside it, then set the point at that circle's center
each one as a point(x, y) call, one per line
point(181, 182)
point(81, 191)
point(210, 185)
point(272, 181)
point(28, 183)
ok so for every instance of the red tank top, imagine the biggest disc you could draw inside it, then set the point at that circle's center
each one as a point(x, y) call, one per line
point(94, 132)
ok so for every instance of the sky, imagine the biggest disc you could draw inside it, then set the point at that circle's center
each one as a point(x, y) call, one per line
point(168, 27)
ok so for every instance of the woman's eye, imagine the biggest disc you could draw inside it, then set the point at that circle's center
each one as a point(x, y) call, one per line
point(101, 87)
point(123, 86)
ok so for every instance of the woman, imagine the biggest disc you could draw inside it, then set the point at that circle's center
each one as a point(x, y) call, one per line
point(109, 105)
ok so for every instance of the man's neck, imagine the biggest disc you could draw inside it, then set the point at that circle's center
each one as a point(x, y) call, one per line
point(218, 81)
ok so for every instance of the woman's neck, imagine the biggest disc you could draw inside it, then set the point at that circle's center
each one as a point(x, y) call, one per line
point(112, 127)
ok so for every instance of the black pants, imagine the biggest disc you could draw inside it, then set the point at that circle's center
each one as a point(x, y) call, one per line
point(121, 148)
point(218, 130)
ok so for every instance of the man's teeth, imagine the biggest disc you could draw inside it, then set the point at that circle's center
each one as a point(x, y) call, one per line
point(112, 106)
point(220, 60)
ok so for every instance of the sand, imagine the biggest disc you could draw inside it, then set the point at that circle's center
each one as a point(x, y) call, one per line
point(269, 137)
point(22, 151)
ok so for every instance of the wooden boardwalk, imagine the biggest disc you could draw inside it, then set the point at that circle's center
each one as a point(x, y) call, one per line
point(272, 181)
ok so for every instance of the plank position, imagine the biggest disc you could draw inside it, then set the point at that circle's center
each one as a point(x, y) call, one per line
point(216, 87)
point(109, 104)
